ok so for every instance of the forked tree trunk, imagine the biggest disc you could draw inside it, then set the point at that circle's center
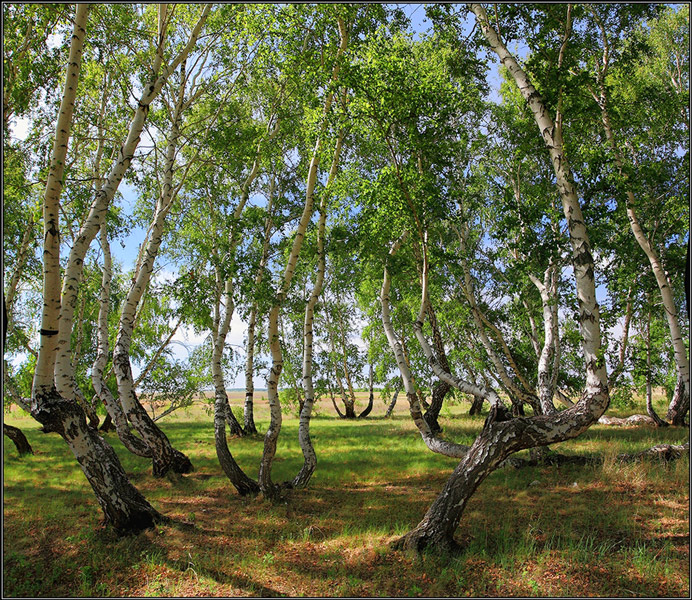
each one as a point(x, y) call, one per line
point(440, 388)
point(18, 438)
point(431, 441)
point(123, 506)
point(439, 391)
point(500, 439)
point(221, 327)
point(116, 416)
point(349, 408)
point(269, 489)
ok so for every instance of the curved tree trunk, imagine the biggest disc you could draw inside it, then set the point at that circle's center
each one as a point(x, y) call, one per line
point(499, 439)
point(662, 279)
point(309, 457)
point(116, 416)
point(371, 398)
point(431, 441)
point(164, 456)
point(123, 506)
point(269, 489)
point(392, 402)
point(18, 438)
point(441, 388)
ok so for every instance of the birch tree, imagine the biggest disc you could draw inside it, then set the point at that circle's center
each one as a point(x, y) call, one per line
point(123, 506)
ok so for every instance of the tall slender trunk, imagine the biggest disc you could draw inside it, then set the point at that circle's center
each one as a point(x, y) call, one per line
point(649, 395)
point(221, 325)
point(115, 412)
point(248, 407)
point(123, 506)
point(309, 456)
point(164, 456)
point(662, 278)
point(269, 489)
point(550, 357)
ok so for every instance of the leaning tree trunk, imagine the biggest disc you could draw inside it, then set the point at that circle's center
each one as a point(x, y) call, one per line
point(392, 402)
point(164, 457)
point(431, 441)
point(123, 506)
point(116, 416)
point(18, 438)
point(371, 397)
point(678, 411)
point(499, 439)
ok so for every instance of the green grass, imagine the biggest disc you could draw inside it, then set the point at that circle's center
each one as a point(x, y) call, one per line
point(622, 530)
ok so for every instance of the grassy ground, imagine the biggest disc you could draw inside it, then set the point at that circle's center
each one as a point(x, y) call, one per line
point(609, 530)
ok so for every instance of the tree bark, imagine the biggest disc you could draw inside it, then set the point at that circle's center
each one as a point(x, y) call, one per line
point(123, 506)
point(649, 395)
point(164, 456)
point(269, 489)
point(248, 407)
point(371, 397)
point(392, 403)
point(662, 279)
point(476, 405)
point(309, 457)
point(18, 438)
point(499, 439)
point(431, 441)
point(116, 416)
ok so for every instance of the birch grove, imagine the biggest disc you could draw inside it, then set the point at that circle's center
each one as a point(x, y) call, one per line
point(495, 211)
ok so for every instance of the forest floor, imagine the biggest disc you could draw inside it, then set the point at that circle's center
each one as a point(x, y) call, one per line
point(608, 530)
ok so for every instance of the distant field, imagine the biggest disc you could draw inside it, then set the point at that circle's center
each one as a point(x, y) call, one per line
point(609, 530)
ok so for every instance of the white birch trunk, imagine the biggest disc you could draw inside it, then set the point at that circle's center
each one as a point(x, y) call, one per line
point(131, 442)
point(549, 357)
point(432, 442)
point(499, 439)
point(268, 488)
point(662, 279)
point(123, 506)
point(309, 457)
point(164, 456)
